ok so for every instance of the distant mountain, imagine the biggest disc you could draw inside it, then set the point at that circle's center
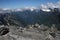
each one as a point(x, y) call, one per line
point(30, 16)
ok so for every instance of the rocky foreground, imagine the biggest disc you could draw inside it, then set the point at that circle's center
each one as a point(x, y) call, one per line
point(31, 32)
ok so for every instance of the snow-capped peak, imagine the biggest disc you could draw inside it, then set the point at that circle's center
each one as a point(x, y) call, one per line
point(45, 9)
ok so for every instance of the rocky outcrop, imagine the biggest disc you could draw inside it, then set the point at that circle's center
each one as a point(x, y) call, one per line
point(3, 31)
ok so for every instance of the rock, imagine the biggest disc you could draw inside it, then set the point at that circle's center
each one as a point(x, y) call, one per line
point(4, 30)
point(49, 37)
point(53, 35)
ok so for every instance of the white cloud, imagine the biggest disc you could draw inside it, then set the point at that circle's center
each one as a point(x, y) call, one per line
point(5, 8)
point(51, 5)
point(43, 6)
point(30, 8)
point(18, 9)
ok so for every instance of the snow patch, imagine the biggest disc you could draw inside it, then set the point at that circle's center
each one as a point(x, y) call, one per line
point(47, 10)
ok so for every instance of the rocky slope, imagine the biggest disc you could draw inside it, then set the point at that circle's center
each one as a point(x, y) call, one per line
point(32, 32)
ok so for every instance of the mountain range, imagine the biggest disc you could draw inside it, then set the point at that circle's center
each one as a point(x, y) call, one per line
point(29, 16)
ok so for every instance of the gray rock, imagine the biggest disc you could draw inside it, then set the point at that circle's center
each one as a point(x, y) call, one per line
point(4, 30)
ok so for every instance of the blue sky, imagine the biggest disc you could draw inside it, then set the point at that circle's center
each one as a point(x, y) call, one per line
point(23, 3)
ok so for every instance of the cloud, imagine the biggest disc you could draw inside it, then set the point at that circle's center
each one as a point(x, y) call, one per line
point(29, 8)
point(51, 5)
point(18, 9)
point(5, 8)
point(45, 7)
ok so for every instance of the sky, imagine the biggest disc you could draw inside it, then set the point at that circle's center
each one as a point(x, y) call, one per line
point(23, 3)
